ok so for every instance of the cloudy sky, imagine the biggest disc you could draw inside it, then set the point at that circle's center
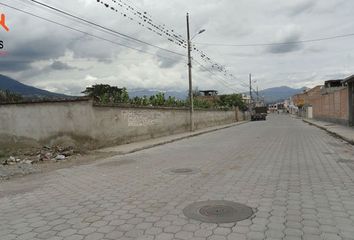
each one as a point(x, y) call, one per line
point(59, 59)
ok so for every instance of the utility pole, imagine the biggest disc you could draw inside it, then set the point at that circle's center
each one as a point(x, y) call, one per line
point(191, 106)
point(250, 91)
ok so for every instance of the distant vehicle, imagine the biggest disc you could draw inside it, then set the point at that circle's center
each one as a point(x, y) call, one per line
point(259, 113)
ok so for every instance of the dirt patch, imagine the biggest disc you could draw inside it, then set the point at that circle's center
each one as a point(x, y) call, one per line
point(12, 171)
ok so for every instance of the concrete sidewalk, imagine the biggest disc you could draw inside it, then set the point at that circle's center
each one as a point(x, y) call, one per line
point(344, 132)
point(150, 143)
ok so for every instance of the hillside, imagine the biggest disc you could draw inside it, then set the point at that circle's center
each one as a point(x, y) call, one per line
point(276, 94)
point(145, 92)
point(26, 91)
point(271, 94)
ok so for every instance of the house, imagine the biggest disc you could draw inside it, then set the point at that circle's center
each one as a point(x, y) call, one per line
point(209, 93)
point(292, 108)
point(329, 102)
point(246, 99)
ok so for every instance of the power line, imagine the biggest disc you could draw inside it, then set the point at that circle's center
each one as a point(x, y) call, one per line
point(213, 73)
point(31, 4)
point(160, 29)
point(84, 23)
point(218, 77)
point(132, 12)
point(83, 32)
point(216, 66)
point(102, 27)
point(281, 43)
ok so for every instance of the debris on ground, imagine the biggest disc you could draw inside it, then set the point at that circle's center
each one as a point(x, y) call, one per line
point(24, 162)
point(55, 153)
point(60, 157)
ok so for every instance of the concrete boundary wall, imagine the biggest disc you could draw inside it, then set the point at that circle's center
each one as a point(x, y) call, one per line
point(97, 126)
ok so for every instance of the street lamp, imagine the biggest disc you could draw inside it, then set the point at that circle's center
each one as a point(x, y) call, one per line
point(189, 48)
point(200, 32)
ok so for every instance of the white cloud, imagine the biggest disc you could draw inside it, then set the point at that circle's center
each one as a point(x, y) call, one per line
point(52, 57)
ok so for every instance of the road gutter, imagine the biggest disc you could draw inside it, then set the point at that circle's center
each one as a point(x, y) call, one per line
point(130, 148)
point(332, 132)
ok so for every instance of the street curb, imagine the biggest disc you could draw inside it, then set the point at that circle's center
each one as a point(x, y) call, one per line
point(177, 139)
point(351, 141)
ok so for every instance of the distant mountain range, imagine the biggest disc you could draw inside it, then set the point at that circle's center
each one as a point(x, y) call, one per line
point(26, 91)
point(145, 92)
point(277, 94)
point(270, 95)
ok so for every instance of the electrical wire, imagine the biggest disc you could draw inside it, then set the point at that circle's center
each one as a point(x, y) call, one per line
point(276, 44)
point(102, 27)
point(31, 4)
point(107, 30)
point(160, 29)
point(83, 32)
point(245, 85)
point(225, 83)
point(146, 20)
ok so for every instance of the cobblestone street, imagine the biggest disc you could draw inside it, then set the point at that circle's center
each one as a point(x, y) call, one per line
point(298, 179)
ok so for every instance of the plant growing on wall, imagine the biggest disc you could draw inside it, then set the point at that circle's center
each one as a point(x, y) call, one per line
point(106, 94)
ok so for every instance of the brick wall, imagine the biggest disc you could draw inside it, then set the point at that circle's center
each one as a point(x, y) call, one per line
point(331, 106)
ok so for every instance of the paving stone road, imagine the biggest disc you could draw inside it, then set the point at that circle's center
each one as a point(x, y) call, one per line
point(297, 178)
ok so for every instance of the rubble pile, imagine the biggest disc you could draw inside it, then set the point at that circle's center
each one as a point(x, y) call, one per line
point(56, 153)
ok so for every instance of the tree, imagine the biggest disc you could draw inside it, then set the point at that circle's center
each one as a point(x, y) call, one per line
point(104, 93)
point(9, 97)
point(202, 103)
point(140, 101)
point(232, 100)
point(158, 99)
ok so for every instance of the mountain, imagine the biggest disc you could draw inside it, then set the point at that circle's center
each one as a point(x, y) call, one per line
point(145, 92)
point(272, 95)
point(26, 91)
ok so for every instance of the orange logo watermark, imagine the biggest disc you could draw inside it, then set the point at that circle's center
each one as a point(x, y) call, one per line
point(3, 22)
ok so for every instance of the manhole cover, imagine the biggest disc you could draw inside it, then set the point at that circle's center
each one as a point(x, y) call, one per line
point(182, 171)
point(218, 211)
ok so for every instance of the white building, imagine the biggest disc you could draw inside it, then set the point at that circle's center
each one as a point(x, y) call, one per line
point(246, 99)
